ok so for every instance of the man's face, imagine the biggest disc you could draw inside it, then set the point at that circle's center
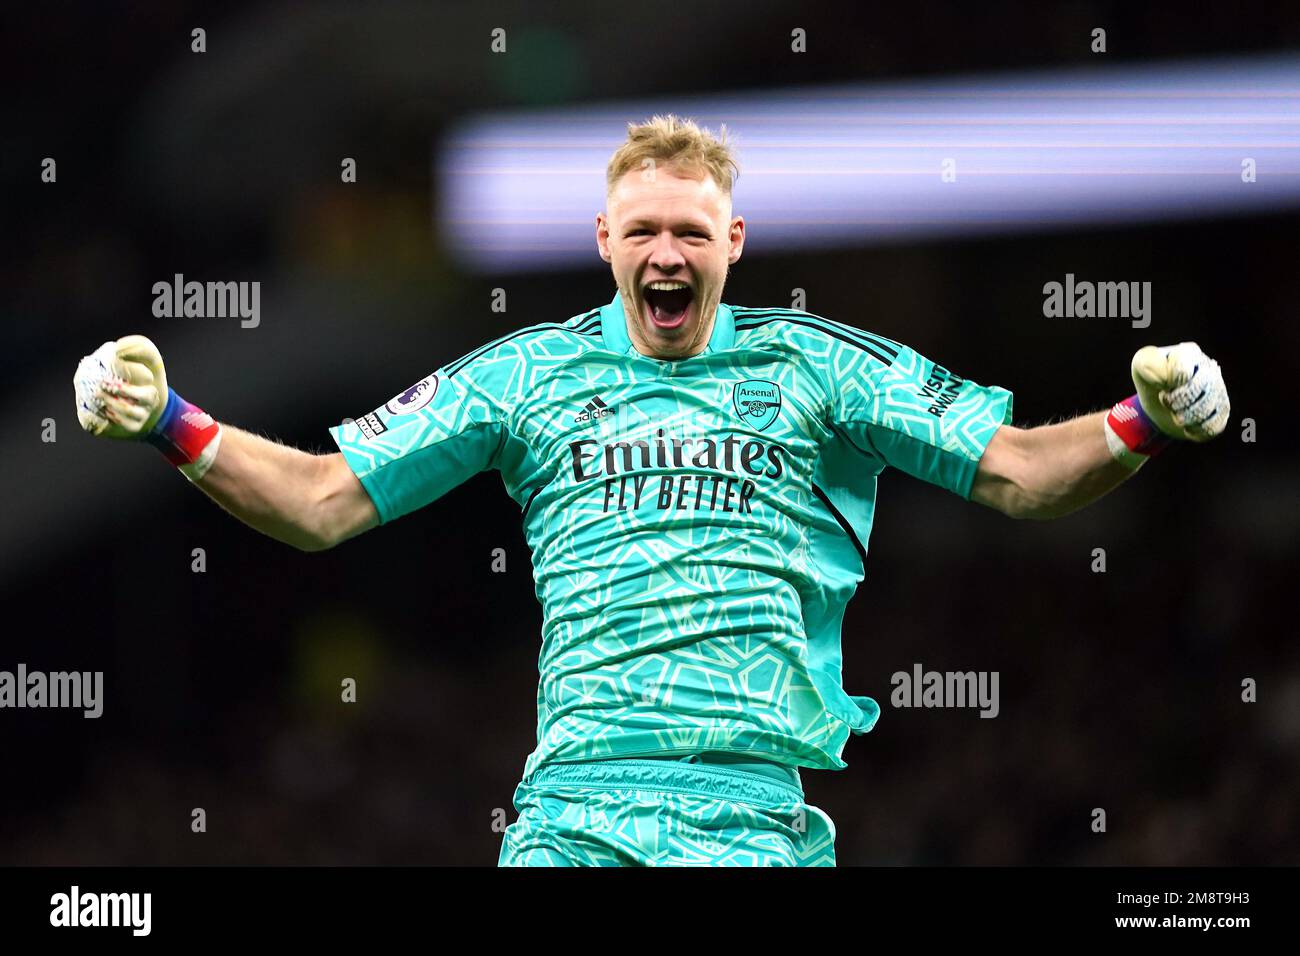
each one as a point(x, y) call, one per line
point(669, 240)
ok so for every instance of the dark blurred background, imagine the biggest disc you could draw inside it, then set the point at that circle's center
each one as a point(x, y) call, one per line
point(1119, 690)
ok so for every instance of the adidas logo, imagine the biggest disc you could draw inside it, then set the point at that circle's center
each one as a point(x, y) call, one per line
point(592, 410)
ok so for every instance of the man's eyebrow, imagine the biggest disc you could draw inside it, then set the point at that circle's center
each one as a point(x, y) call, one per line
point(690, 224)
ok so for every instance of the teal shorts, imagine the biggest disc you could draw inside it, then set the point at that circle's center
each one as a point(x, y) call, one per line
point(700, 810)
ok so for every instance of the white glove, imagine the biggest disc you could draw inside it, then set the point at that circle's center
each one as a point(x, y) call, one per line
point(1181, 390)
point(122, 393)
point(121, 389)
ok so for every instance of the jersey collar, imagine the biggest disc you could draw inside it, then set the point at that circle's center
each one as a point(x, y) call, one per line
point(613, 329)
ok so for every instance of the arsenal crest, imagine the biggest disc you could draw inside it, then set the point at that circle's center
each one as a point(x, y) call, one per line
point(757, 402)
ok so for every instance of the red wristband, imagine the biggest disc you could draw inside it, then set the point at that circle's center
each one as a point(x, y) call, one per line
point(183, 431)
point(1134, 427)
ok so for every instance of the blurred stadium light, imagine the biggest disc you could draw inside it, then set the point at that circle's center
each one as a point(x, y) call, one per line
point(855, 164)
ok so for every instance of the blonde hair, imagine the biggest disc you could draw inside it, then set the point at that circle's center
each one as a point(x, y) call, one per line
point(672, 141)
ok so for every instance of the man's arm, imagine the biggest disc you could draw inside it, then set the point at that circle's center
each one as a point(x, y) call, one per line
point(1048, 471)
point(1052, 470)
point(311, 502)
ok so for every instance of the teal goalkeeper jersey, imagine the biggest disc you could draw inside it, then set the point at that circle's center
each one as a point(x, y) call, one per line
point(697, 526)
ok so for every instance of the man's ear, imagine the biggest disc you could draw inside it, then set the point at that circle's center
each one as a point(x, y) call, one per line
point(736, 236)
point(602, 235)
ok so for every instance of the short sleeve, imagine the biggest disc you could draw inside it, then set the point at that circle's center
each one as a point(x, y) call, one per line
point(916, 415)
point(433, 436)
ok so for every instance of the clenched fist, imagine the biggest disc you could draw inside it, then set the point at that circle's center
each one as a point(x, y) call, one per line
point(1181, 390)
point(121, 389)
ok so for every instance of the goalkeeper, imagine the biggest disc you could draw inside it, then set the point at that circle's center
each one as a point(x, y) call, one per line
point(697, 483)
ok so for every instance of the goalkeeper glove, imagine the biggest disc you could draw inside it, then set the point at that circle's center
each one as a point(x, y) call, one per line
point(1180, 395)
point(122, 393)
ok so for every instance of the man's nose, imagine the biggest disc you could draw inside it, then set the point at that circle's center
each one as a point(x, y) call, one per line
point(666, 255)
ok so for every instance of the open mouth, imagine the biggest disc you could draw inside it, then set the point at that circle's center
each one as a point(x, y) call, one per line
point(668, 303)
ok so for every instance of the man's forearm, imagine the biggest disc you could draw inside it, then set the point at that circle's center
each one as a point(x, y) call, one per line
point(1051, 470)
point(270, 487)
point(1069, 466)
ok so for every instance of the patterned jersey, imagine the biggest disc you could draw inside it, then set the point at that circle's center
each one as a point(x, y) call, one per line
point(697, 526)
